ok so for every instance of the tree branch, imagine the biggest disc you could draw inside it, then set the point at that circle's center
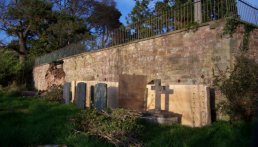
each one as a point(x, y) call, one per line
point(17, 51)
point(7, 23)
point(27, 29)
point(3, 29)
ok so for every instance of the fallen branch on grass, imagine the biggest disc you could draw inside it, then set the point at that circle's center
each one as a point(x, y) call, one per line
point(119, 127)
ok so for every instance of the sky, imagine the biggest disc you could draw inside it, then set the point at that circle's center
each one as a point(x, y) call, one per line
point(125, 7)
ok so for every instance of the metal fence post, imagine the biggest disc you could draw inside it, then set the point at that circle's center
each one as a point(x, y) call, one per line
point(198, 11)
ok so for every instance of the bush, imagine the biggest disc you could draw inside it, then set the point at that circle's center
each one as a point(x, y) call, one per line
point(240, 89)
point(10, 67)
point(14, 89)
point(25, 75)
point(55, 94)
point(119, 127)
point(1, 90)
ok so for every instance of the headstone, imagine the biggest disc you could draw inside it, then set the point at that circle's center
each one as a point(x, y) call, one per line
point(81, 95)
point(167, 92)
point(132, 92)
point(100, 96)
point(112, 97)
point(158, 91)
point(91, 96)
point(158, 88)
point(67, 93)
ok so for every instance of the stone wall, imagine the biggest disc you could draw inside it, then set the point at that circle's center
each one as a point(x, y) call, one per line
point(180, 57)
point(186, 60)
point(39, 75)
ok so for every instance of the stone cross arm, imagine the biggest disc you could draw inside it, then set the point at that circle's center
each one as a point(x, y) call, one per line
point(166, 90)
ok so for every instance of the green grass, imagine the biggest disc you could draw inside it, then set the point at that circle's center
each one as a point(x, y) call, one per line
point(219, 134)
point(31, 121)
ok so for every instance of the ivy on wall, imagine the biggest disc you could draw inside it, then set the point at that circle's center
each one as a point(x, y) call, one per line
point(230, 28)
point(246, 37)
point(240, 84)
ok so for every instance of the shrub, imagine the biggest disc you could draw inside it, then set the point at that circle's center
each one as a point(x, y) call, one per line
point(1, 90)
point(14, 89)
point(10, 67)
point(55, 93)
point(25, 75)
point(119, 127)
point(240, 89)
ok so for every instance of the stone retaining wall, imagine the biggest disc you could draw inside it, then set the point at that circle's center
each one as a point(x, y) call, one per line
point(180, 57)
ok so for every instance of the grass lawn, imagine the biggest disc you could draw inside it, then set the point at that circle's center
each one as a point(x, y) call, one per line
point(30, 122)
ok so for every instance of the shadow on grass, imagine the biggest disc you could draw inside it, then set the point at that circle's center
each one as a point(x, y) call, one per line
point(30, 122)
point(219, 134)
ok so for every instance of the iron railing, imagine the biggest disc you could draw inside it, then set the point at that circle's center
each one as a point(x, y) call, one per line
point(185, 16)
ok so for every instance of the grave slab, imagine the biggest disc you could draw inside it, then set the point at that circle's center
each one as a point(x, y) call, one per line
point(100, 96)
point(67, 93)
point(81, 95)
point(132, 92)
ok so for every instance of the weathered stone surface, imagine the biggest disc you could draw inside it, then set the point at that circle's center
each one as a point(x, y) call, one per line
point(132, 89)
point(112, 93)
point(81, 95)
point(162, 120)
point(100, 96)
point(190, 101)
point(157, 88)
point(55, 75)
point(180, 57)
point(158, 91)
point(67, 93)
point(39, 74)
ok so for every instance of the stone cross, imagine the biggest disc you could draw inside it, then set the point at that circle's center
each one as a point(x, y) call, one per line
point(67, 93)
point(158, 88)
point(100, 96)
point(167, 92)
point(81, 95)
point(158, 91)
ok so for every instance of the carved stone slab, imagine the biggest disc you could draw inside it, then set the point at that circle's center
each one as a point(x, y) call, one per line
point(67, 93)
point(100, 96)
point(81, 95)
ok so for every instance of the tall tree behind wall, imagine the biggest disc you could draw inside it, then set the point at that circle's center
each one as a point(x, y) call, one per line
point(100, 17)
point(20, 19)
point(104, 20)
point(68, 24)
point(150, 17)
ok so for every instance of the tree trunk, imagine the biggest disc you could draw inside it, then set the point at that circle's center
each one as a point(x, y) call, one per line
point(22, 48)
point(103, 38)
